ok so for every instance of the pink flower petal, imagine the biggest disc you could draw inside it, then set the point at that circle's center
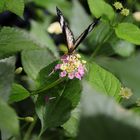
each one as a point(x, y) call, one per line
point(64, 58)
point(57, 67)
point(77, 75)
point(63, 74)
point(82, 73)
point(71, 75)
point(81, 70)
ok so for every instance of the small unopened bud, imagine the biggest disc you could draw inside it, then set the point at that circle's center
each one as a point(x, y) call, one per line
point(125, 93)
point(29, 119)
point(118, 5)
point(18, 70)
point(125, 12)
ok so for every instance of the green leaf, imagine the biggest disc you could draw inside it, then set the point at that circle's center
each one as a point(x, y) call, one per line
point(39, 33)
point(51, 5)
point(61, 100)
point(8, 119)
point(7, 67)
point(136, 110)
point(127, 71)
point(34, 60)
point(98, 35)
point(123, 48)
point(103, 81)
point(129, 32)
point(100, 8)
point(71, 126)
point(103, 119)
point(18, 93)
point(47, 78)
point(14, 40)
point(1, 5)
point(78, 12)
point(14, 6)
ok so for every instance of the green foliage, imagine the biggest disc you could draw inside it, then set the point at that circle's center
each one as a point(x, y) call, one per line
point(127, 71)
point(51, 5)
point(18, 93)
point(32, 65)
point(103, 81)
point(55, 110)
point(6, 76)
point(71, 126)
point(39, 33)
point(14, 6)
point(13, 41)
point(129, 32)
point(74, 21)
point(47, 78)
point(100, 8)
point(124, 48)
point(8, 119)
point(102, 118)
point(53, 103)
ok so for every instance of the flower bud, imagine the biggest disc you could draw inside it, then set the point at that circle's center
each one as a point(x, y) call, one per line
point(118, 5)
point(125, 93)
point(18, 70)
point(29, 119)
point(125, 12)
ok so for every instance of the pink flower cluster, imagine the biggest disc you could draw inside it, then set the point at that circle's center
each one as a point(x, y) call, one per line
point(71, 66)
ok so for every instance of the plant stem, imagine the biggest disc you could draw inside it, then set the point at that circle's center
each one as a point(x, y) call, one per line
point(47, 87)
point(100, 44)
point(29, 130)
point(96, 50)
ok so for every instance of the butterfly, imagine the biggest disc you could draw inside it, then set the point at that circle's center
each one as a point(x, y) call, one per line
point(72, 44)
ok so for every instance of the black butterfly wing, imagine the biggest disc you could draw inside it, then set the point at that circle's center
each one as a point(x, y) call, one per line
point(85, 33)
point(66, 31)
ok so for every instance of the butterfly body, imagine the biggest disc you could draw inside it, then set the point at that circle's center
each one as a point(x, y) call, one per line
point(72, 44)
